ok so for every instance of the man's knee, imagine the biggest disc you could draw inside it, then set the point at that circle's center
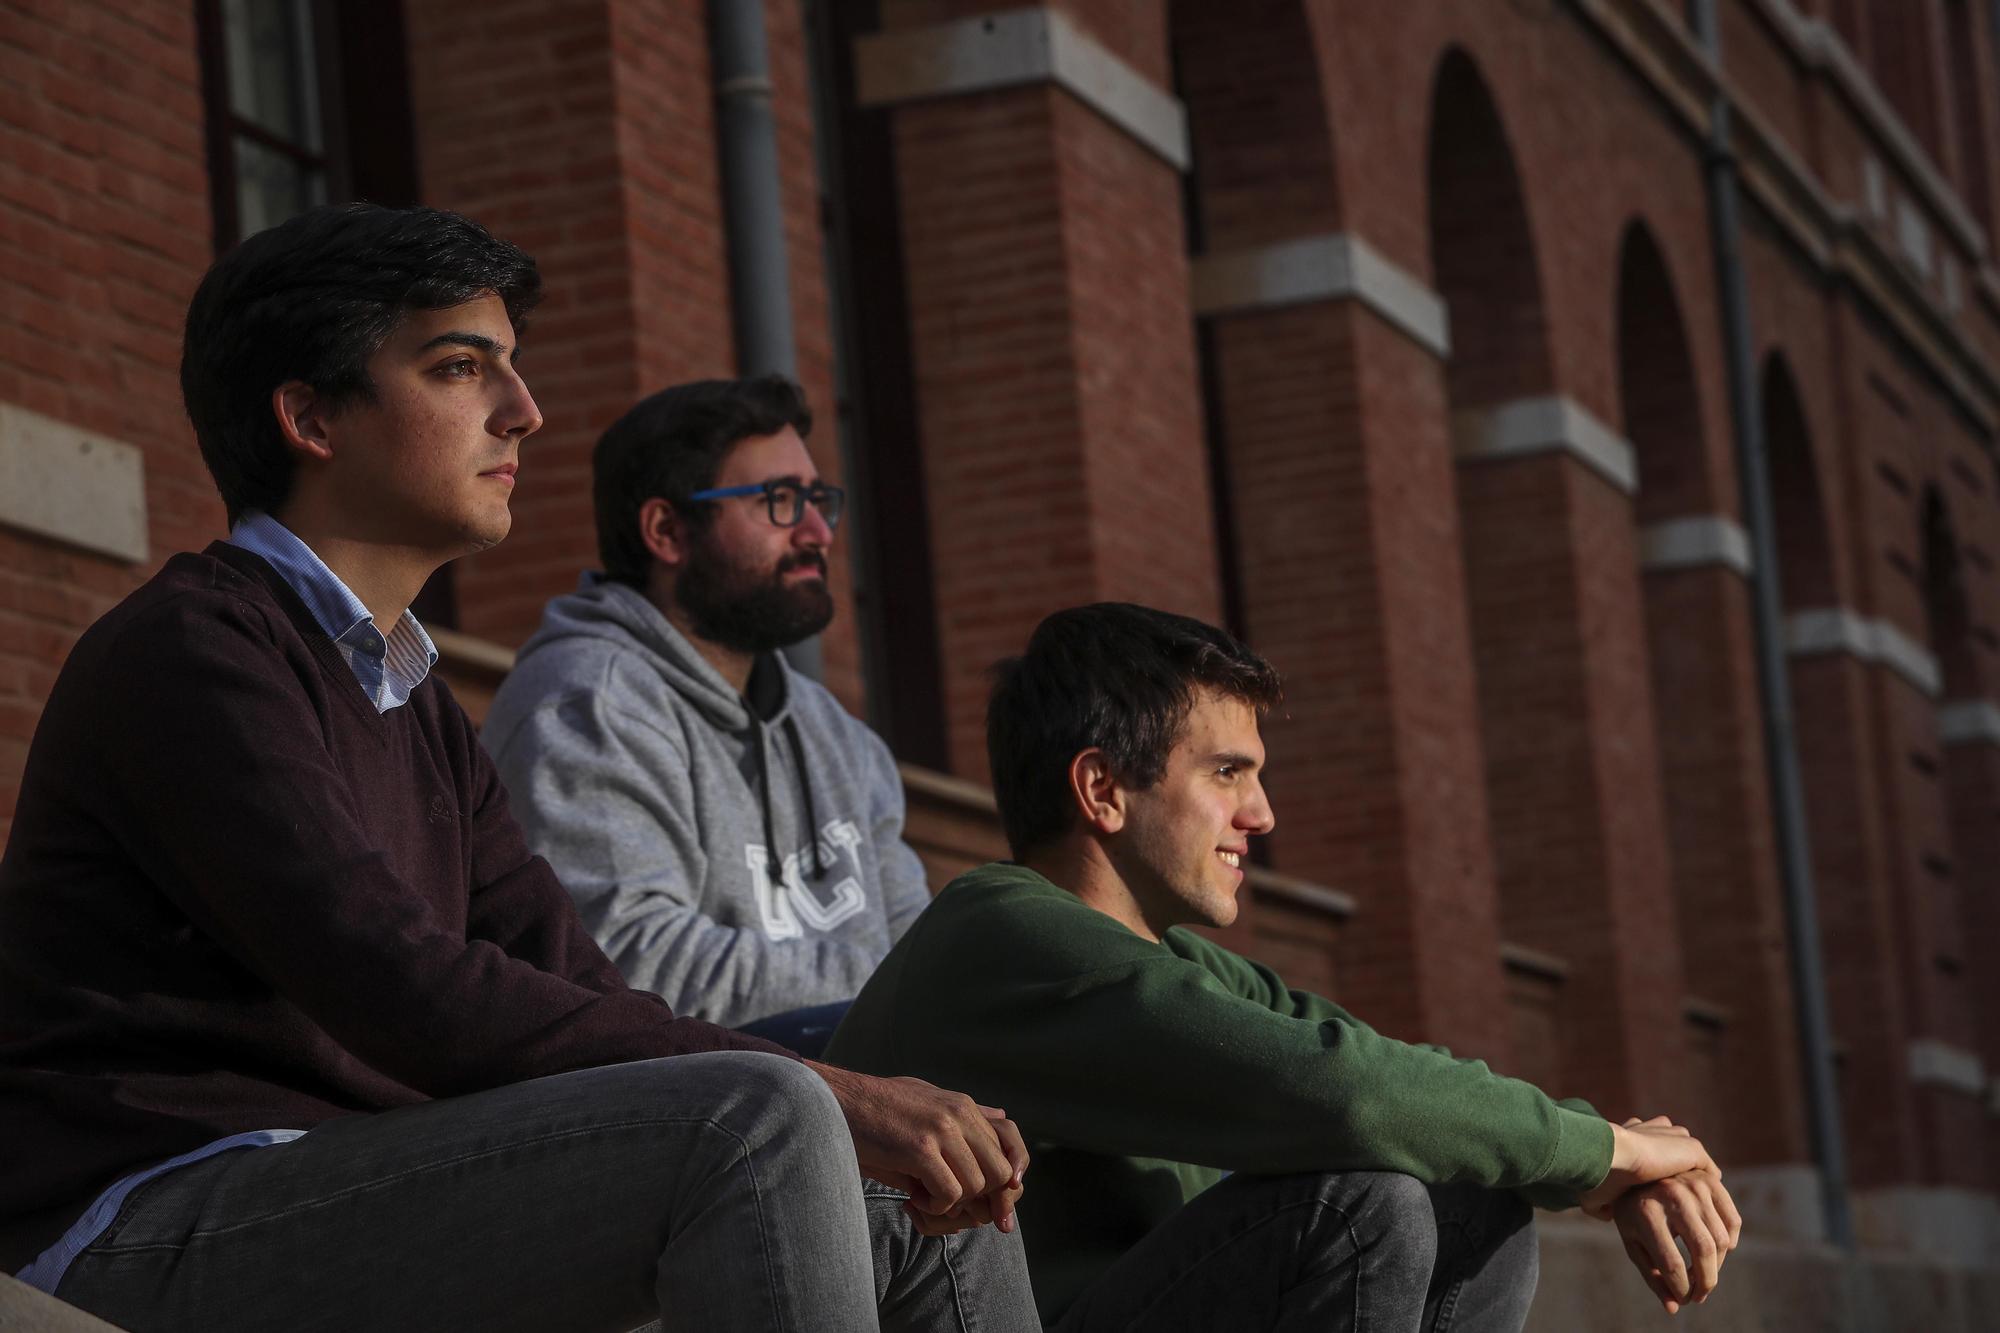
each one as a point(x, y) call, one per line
point(1387, 1208)
point(774, 1088)
point(1343, 1214)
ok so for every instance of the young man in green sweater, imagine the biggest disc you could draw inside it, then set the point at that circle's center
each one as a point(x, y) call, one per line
point(1377, 1184)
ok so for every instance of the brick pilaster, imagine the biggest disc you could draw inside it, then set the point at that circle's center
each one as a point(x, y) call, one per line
point(1052, 349)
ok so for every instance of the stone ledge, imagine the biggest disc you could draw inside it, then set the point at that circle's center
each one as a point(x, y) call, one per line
point(1331, 267)
point(1013, 48)
point(1551, 424)
point(61, 481)
point(23, 1309)
point(1969, 722)
point(1696, 541)
point(1835, 629)
point(1768, 1285)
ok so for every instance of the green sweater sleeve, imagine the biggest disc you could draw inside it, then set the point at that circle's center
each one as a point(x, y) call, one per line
point(1096, 1039)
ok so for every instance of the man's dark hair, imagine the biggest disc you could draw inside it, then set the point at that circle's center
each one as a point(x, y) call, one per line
point(670, 445)
point(1112, 676)
point(312, 299)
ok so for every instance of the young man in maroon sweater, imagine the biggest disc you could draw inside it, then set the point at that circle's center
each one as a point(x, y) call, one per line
point(294, 1031)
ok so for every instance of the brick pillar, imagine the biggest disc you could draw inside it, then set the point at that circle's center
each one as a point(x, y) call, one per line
point(1970, 731)
point(1052, 343)
point(1746, 1097)
point(1724, 858)
point(1347, 550)
point(1572, 771)
point(1344, 534)
point(1936, 965)
point(1842, 766)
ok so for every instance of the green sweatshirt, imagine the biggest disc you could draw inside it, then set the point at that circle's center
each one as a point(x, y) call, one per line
point(1140, 1073)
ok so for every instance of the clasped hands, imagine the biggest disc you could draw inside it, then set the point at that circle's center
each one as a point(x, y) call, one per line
point(961, 1163)
point(1663, 1186)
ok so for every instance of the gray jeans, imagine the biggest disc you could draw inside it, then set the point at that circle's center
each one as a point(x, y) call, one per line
point(1359, 1251)
point(713, 1191)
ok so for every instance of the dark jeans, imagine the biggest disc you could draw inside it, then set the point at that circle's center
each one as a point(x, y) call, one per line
point(1355, 1251)
point(714, 1191)
point(806, 1030)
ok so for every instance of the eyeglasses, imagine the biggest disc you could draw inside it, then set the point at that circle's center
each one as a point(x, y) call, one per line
point(787, 500)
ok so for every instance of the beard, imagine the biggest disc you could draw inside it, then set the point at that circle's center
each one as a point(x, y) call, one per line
point(748, 610)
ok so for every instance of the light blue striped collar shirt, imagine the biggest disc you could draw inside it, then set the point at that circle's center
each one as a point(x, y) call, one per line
point(389, 669)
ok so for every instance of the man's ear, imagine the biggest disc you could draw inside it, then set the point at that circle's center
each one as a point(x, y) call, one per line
point(663, 532)
point(1094, 787)
point(303, 419)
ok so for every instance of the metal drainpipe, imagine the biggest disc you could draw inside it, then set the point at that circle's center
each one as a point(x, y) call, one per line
point(1774, 686)
point(760, 293)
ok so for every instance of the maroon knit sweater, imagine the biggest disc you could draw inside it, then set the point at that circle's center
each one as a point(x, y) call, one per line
point(237, 897)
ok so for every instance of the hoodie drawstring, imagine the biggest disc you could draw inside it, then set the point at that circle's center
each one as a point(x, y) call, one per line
point(806, 787)
point(777, 862)
point(764, 798)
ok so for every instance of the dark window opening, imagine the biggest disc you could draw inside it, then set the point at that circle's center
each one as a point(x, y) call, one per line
point(895, 598)
point(307, 101)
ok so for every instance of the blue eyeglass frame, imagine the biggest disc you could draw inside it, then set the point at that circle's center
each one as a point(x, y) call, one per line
point(808, 495)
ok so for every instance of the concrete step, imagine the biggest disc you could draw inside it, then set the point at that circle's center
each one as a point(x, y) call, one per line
point(25, 1310)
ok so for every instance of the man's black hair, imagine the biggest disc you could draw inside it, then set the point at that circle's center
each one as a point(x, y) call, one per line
point(311, 299)
point(670, 445)
point(1110, 676)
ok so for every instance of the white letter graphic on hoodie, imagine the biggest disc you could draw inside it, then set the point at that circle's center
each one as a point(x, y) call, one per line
point(781, 905)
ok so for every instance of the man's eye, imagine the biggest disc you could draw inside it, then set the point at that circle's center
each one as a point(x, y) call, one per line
point(783, 491)
point(459, 370)
point(1227, 772)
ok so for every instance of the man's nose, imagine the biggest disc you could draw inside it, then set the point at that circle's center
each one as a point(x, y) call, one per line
point(812, 528)
point(1257, 816)
point(518, 415)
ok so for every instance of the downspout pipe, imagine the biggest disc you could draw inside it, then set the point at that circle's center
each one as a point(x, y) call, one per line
point(753, 210)
point(1773, 681)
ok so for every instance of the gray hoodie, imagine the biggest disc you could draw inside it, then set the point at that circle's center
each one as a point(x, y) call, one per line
point(656, 790)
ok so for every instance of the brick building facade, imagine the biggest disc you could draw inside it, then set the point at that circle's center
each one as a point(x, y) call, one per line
point(1390, 335)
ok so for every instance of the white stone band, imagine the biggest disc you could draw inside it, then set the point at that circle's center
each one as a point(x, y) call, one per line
point(1012, 48)
point(1944, 1066)
point(1696, 542)
point(1969, 722)
point(1331, 267)
point(1554, 424)
point(1835, 629)
point(60, 481)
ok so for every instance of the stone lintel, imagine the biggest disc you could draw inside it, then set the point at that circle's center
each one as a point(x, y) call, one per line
point(1552, 424)
point(1013, 48)
point(64, 482)
point(1336, 266)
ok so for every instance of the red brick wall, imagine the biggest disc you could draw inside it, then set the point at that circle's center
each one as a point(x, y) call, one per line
point(104, 231)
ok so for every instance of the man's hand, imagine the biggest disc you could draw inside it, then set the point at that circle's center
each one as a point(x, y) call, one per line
point(961, 1163)
point(1697, 1210)
point(1643, 1151)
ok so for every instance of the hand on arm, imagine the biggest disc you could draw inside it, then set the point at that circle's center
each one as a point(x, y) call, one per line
point(1641, 1153)
point(1692, 1208)
point(961, 1163)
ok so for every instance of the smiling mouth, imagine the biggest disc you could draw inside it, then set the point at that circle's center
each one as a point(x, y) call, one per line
point(1234, 860)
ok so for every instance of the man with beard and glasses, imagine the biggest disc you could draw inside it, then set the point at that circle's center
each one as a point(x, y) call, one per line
point(731, 835)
